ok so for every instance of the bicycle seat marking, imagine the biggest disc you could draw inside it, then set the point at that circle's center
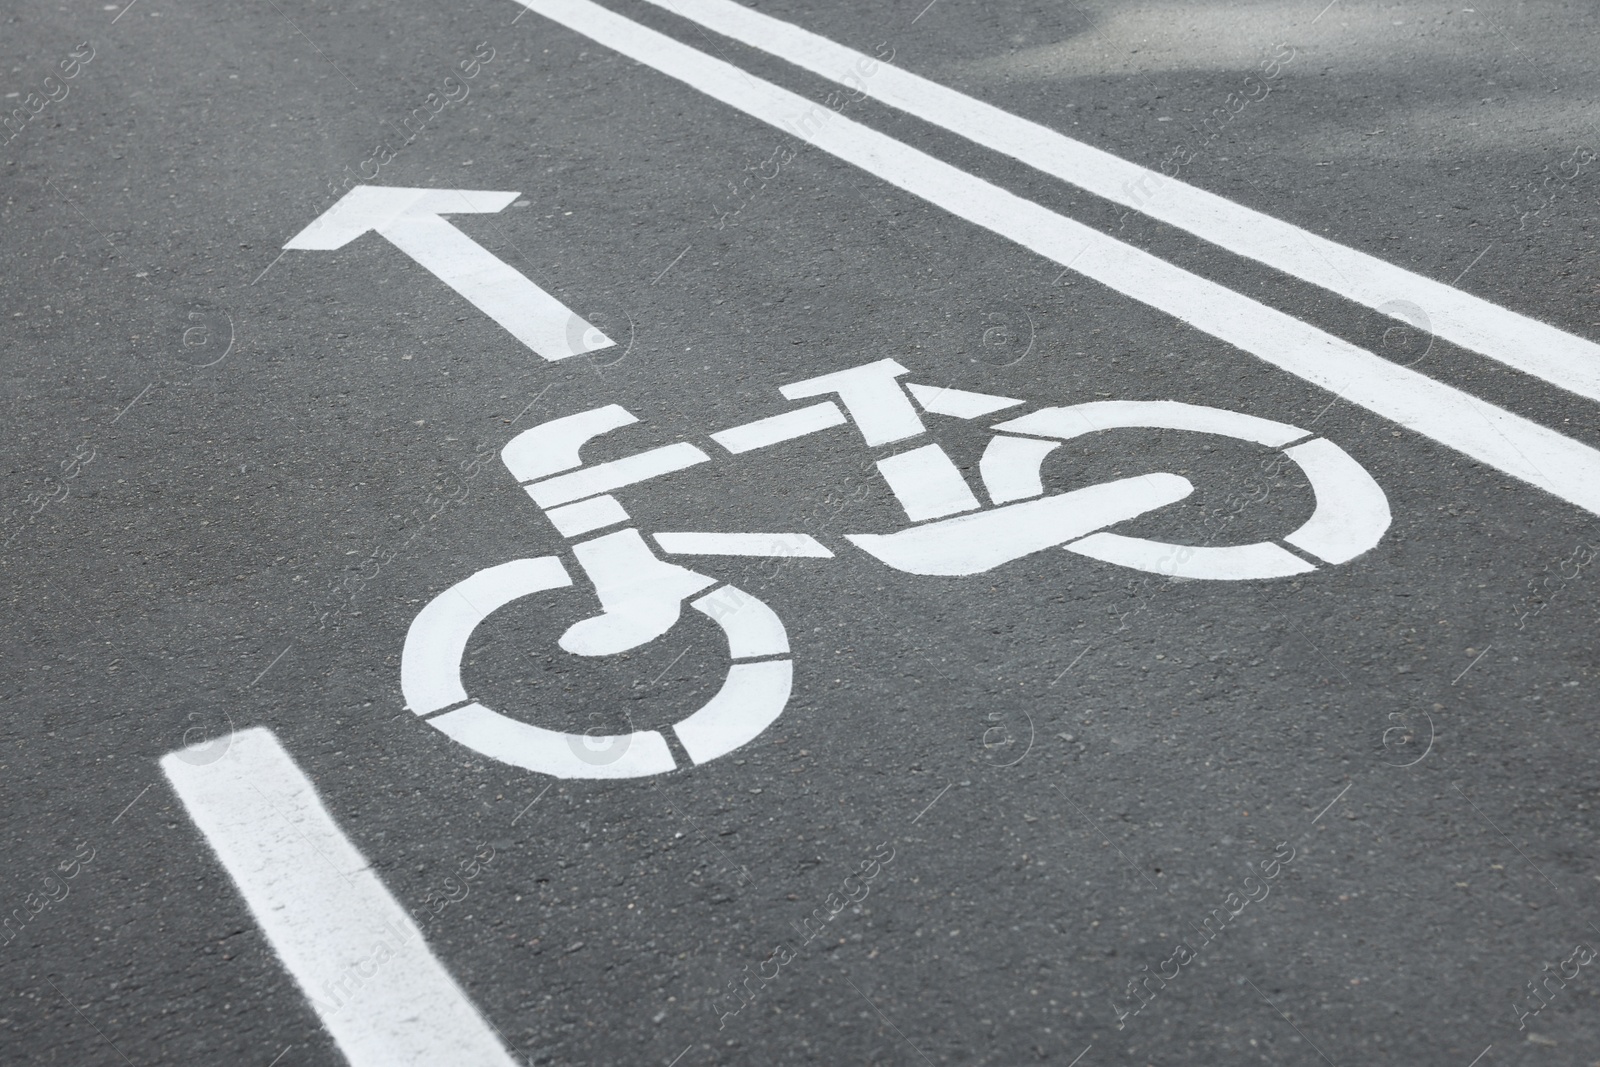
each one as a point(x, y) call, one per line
point(952, 533)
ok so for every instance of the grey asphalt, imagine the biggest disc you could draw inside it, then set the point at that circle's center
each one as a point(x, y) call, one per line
point(231, 479)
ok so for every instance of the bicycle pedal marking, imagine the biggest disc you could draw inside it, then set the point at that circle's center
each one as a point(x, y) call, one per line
point(972, 544)
point(951, 533)
point(641, 596)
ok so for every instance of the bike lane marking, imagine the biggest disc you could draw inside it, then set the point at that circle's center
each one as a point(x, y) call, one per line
point(1483, 431)
point(1531, 346)
point(356, 954)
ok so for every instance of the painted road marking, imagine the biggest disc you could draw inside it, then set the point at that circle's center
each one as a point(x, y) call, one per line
point(552, 447)
point(1530, 346)
point(972, 544)
point(354, 951)
point(595, 513)
point(1352, 512)
point(409, 219)
point(958, 403)
point(1217, 563)
point(642, 596)
point(927, 483)
point(872, 396)
point(1351, 515)
point(604, 477)
point(781, 545)
point(779, 428)
point(1501, 439)
point(1066, 423)
point(1012, 468)
point(430, 664)
point(750, 699)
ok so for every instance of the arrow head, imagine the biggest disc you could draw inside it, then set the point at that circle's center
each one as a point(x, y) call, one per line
point(373, 207)
point(409, 220)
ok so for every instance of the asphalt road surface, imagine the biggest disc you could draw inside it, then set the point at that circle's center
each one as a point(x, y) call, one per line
point(1232, 702)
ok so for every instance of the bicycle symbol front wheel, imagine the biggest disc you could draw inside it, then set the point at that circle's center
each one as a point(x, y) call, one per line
point(760, 677)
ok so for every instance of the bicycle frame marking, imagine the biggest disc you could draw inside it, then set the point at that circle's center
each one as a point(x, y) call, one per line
point(951, 534)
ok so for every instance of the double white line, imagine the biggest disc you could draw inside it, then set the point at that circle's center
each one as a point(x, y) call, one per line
point(1474, 427)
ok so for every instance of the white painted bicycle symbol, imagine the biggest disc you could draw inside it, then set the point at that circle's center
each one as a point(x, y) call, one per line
point(952, 533)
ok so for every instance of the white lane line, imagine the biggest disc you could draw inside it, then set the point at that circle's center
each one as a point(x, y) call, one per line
point(1508, 442)
point(1560, 358)
point(357, 955)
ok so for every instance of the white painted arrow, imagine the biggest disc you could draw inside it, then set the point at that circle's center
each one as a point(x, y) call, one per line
point(409, 219)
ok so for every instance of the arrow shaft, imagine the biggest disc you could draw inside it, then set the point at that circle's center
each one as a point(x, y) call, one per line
point(530, 314)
